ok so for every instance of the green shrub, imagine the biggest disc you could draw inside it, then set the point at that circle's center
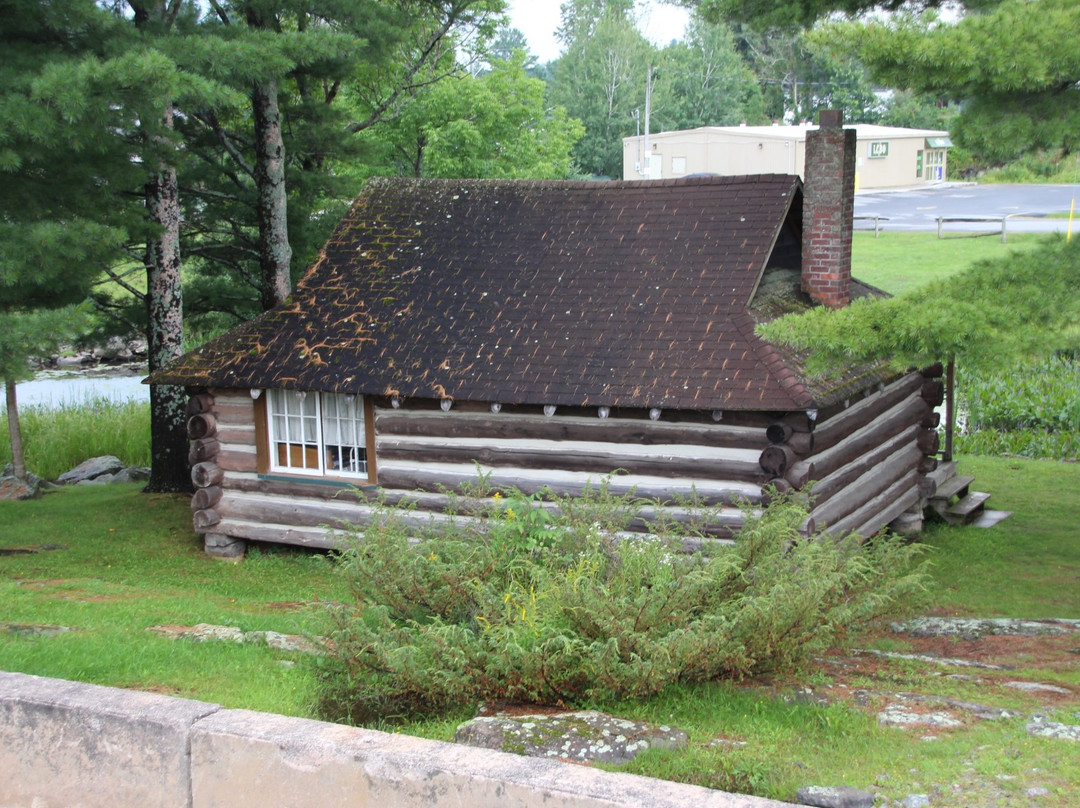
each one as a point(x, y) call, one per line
point(551, 605)
point(1031, 410)
point(1036, 167)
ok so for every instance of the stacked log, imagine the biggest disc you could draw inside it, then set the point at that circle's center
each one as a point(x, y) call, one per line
point(669, 461)
point(202, 430)
point(865, 466)
point(862, 464)
point(425, 452)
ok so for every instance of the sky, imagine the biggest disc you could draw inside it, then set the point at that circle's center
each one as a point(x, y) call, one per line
point(538, 19)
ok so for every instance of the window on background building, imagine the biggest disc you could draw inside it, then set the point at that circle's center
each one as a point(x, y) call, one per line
point(317, 433)
point(678, 165)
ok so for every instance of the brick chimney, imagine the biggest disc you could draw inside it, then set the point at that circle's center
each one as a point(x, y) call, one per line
point(828, 206)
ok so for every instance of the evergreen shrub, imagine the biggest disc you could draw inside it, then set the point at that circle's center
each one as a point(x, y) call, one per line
point(548, 602)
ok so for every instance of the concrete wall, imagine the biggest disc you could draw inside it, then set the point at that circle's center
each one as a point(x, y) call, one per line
point(70, 745)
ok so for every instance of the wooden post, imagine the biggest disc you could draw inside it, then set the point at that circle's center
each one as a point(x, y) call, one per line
point(950, 407)
point(940, 219)
point(1004, 220)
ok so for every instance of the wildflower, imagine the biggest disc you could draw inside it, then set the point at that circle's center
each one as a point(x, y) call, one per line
point(432, 556)
point(497, 497)
point(510, 513)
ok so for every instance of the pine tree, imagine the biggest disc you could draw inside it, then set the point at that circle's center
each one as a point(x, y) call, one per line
point(58, 223)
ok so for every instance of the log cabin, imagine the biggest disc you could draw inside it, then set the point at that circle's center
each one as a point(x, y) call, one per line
point(551, 335)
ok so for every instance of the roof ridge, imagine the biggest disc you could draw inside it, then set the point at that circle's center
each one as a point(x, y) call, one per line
point(773, 358)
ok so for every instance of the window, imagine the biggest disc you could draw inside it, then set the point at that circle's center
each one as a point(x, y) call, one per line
point(321, 434)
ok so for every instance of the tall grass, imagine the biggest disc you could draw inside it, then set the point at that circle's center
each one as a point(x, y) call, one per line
point(56, 439)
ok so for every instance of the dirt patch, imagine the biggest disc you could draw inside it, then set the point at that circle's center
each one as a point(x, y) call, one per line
point(74, 590)
point(1008, 675)
point(289, 605)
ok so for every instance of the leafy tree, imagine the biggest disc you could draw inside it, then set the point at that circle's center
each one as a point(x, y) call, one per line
point(507, 42)
point(704, 81)
point(493, 125)
point(917, 111)
point(600, 80)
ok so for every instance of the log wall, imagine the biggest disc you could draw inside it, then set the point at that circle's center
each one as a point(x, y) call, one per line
point(863, 465)
point(867, 462)
point(422, 453)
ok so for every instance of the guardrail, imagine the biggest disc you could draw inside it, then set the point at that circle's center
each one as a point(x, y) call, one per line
point(941, 220)
point(877, 220)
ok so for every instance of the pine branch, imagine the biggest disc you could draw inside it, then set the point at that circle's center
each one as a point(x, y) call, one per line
point(209, 119)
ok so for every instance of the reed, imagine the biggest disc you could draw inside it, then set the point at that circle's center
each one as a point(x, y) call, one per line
point(56, 439)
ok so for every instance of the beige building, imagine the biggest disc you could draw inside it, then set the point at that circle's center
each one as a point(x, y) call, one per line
point(887, 156)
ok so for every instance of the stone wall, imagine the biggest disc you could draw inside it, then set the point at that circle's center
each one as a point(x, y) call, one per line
point(70, 745)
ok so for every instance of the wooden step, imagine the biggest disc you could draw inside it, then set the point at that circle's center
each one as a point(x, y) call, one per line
point(955, 487)
point(967, 509)
point(943, 473)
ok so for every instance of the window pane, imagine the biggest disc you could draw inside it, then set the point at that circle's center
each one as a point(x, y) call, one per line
point(343, 434)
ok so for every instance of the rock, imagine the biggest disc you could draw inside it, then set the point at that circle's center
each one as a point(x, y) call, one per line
point(974, 628)
point(224, 547)
point(578, 736)
point(1037, 792)
point(1052, 729)
point(915, 801)
point(27, 630)
point(101, 479)
point(1037, 687)
point(12, 488)
point(933, 660)
point(897, 715)
point(90, 469)
point(834, 797)
point(207, 631)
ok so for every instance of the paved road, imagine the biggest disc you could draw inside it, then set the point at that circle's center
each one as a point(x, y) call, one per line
point(919, 209)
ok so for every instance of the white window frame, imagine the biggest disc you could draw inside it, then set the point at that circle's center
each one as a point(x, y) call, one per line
point(286, 407)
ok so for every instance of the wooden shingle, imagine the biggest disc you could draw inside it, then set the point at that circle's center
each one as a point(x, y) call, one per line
point(566, 293)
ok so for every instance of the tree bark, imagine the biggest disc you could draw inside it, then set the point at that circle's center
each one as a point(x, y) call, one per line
point(18, 459)
point(165, 333)
point(275, 253)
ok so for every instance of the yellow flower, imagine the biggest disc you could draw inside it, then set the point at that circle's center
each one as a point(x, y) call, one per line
point(497, 496)
point(510, 513)
point(432, 556)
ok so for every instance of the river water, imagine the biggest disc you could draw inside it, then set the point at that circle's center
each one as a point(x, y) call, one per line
point(56, 388)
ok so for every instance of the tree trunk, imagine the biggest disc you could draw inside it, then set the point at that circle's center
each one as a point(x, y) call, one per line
point(18, 459)
point(165, 332)
point(275, 254)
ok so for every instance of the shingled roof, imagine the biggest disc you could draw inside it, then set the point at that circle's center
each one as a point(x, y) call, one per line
point(629, 294)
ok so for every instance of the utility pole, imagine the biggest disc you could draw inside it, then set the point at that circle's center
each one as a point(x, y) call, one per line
point(647, 162)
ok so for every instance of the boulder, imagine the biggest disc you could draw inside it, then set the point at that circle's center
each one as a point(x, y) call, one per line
point(583, 736)
point(12, 488)
point(90, 469)
point(834, 797)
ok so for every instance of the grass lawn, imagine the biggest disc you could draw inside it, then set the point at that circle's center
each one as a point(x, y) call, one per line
point(129, 561)
point(122, 561)
point(897, 262)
